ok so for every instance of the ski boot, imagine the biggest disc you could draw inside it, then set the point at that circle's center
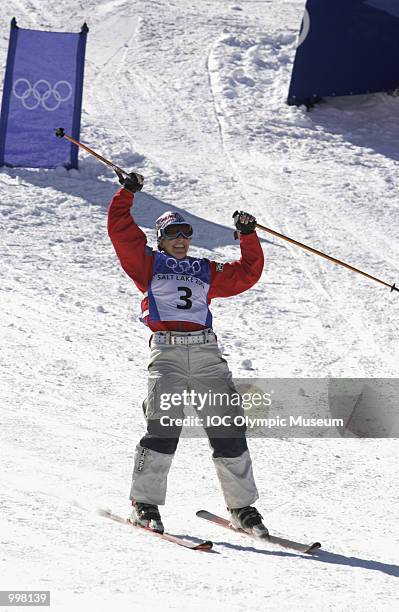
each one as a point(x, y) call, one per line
point(248, 519)
point(146, 515)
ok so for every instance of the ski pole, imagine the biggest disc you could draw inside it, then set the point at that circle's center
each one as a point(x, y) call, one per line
point(321, 254)
point(60, 133)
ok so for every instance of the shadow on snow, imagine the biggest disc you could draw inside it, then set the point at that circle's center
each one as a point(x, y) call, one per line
point(321, 556)
point(363, 120)
point(99, 191)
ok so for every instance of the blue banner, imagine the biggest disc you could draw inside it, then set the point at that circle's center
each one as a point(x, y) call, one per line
point(42, 90)
point(346, 47)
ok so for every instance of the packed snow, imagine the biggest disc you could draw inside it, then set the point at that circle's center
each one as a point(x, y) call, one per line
point(192, 95)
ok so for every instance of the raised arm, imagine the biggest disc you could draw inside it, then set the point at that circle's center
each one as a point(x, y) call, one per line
point(238, 276)
point(130, 242)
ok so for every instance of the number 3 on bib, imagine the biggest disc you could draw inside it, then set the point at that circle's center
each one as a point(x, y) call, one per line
point(185, 297)
point(178, 291)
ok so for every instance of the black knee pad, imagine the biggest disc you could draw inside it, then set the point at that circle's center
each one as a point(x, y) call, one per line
point(160, 445)
point(160, 439)
point(228, 447)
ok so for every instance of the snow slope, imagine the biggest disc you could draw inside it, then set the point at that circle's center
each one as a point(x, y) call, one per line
point(192, 94)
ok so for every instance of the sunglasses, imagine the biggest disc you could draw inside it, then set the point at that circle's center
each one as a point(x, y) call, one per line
point(178, 229)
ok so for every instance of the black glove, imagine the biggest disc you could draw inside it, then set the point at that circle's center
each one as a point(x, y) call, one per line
point(244, 222)
point(132, 182)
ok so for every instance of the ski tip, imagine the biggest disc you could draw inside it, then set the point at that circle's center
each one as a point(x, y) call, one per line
point(313, 548)
point(205, 545)
point(104, 511)
point(205, 514)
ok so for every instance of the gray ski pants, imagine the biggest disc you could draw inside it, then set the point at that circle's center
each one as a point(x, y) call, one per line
point(198, 368)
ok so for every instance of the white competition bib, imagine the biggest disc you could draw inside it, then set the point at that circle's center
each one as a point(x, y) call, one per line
point(179, 290)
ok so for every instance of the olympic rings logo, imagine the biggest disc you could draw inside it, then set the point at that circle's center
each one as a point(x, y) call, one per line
point(42, 93)
point(183, 266)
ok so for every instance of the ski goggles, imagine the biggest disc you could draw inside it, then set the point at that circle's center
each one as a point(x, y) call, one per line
point(170, 232)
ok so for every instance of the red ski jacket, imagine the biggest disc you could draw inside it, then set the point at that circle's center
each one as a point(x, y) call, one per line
point(136, 259)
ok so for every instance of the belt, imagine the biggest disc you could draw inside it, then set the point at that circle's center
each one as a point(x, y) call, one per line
point(202, 337)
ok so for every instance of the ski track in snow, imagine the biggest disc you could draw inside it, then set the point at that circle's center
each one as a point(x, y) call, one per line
point(192, 95)
point(245, 164)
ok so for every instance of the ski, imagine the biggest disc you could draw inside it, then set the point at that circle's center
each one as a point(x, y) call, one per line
point(204, 545)
point(218, 520)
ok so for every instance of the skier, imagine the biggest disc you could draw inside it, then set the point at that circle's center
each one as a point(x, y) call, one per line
point(177, 290)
